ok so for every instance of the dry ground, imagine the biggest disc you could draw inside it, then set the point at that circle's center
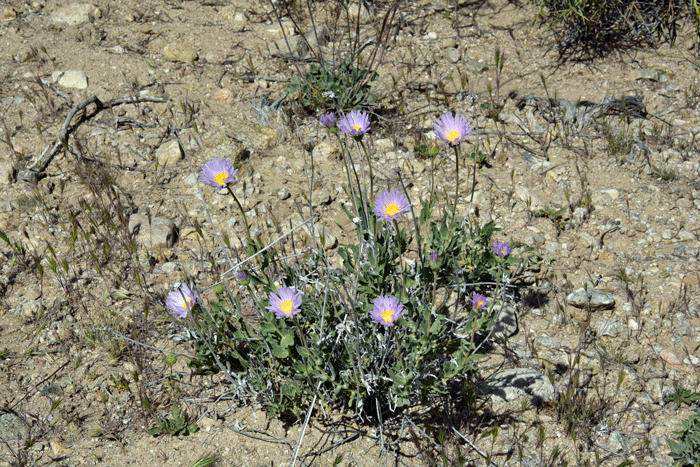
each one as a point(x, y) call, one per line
point(81, 395)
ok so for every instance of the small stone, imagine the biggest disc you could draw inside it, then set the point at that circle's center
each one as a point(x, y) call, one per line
point(326, 151)
point(294, 46)
point(160, 231)
point(179, 52)
point(354, 11)
point(476, 67)
point(536, 164)
point(74, 79)
point(321, 196)
point(453, 55)
point(7, 172)
point(283, 193)
point(669, 357)
point(651, 75)
point(12, 428)
point(528, 197)
point(609, 327)
point(618, 442)
point(509, 385)
point(57, 448)
point(591, 298)
point(276, 29)
point(323, 234)
point(223, 94)
point(506, 324)
point(449, 43)
point(207, 423)
point(168, 153)
point(9, 13)
point(692, 360)
point(73, 14)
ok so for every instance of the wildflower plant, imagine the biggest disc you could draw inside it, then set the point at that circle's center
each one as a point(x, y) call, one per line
point(395, 325)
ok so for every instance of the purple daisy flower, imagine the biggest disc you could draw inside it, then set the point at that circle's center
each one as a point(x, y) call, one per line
point(355, 123)
point(242, 276)
point(501, 249)
point(479, 301)
point(390, 205)
point(434, 257)
point(218, 173)
point(285, 303)
point(181, 301)
point(452, 130)
point(386, 310)
point(327, 120)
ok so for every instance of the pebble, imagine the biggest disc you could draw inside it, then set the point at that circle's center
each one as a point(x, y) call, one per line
point(168, 153)
point(7, 171)
point(283, 193)
point(453, 55)
point(528, 197)
point(179, 52)
point(669, 357)
point(74, 79)
point(534, 163)
point(160, 231)
point(73, 14)
point(9, 13)
point(609, 327)
point(591, 298)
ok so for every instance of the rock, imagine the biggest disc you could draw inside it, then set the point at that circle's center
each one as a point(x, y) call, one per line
point(506, 324)
point(536, 164)
point(7, 172)
point(160, 231)
point(592, 299)
point(276, 28)
point(168, 153)
point(326, 151)
point(320, 197)
point(609, 327)
point(254, 136)
point(449, 43)
point(669, 357)
point(235, 19)
point(73, 14)
point(324, 236)
point(528, 197)
point(651, 75)
point(509, 385)
point(74, 79)
point(9, 13)
point(57, 448)
point(354, 11)
point(283, 193)
point(453, 55)
point(476, 67)
point(12, 428)
point(294, 46)
point(618, 443)
point(179, 52)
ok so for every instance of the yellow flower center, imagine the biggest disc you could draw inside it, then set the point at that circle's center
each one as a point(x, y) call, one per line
point(286, 307)
point(480, 303)
point(391, 209)
point(503, 251)
point(357, 127)
point(388, 316)
point(452, 135)
point(186, 303)
point(221, 177)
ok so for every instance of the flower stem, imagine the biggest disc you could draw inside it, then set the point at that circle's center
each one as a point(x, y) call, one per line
point(454, 209)
point(245, 219)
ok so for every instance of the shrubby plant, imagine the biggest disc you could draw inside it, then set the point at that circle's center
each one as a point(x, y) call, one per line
point(399, 323)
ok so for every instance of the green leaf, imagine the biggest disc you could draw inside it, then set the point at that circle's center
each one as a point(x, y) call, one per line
point(287, 339)
point(278, 351)
point(303, 352)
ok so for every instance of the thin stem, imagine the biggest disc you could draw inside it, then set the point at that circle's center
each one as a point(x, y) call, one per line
point(454, 210)
point(369, 163)
point(245, 219)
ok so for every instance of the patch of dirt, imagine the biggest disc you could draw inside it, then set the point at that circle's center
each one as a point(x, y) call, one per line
point(627, 185)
